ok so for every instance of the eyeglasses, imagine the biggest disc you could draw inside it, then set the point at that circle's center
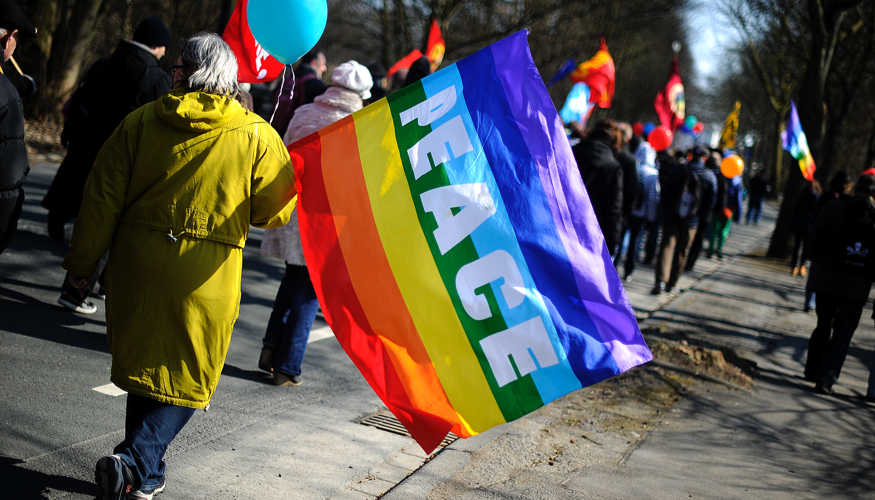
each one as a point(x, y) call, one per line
point(176, 67)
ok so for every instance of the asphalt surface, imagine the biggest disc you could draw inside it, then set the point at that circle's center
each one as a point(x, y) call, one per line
point(258, 441)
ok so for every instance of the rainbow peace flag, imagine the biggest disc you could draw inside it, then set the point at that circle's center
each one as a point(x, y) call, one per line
point(793, 140)
point(455, 252)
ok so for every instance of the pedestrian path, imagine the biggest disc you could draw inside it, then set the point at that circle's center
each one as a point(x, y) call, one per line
point(782, 441)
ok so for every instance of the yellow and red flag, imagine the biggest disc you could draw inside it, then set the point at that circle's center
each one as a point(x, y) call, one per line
point(598, 73)
point(436, 47)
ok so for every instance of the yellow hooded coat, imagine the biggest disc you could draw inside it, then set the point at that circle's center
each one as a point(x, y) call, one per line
point(172, 194)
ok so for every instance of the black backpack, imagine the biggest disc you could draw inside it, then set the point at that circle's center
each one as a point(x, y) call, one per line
point(852, 242)
point(687, 205)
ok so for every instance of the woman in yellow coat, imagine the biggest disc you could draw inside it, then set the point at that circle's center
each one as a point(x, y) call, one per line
point(172, 195)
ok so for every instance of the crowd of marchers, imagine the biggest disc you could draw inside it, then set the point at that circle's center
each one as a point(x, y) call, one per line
point(660, 207)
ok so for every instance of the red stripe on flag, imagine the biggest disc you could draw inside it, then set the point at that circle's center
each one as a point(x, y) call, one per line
point(342, 307)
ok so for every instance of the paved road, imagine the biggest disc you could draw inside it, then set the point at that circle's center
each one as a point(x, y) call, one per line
point(262, 442)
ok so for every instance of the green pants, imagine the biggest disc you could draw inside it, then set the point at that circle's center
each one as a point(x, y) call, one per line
point(719, 233)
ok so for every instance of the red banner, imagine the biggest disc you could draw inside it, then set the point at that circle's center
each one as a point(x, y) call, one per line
point(404, 63)
point(670, 104)
point(436, 46)
point(255, 64)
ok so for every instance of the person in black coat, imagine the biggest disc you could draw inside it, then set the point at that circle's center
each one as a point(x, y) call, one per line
point(603, 178)
point(112, 88)
point(630, 181)
point(712, 164)
point(14, 165)
point(803, 216)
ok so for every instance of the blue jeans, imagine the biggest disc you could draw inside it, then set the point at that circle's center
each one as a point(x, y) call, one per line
point(294, 311)
point(837, 319)
point(754, 209)
point(150, 426)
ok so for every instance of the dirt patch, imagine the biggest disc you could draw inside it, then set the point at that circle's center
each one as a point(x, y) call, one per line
point(679, 349)
point(43, 137)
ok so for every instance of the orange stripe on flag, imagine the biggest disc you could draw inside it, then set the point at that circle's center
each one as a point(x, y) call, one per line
point(372, 277)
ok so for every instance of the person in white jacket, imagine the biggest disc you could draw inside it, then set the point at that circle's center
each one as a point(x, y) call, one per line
point(296, 305)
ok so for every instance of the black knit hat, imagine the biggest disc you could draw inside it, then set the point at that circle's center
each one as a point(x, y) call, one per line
point(13, 18)
point(152, 32)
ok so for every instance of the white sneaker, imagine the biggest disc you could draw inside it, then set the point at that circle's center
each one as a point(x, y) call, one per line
point(77, 304)
point(147, 495)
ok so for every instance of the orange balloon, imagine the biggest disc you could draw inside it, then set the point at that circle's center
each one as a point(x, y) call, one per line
point(732, 166)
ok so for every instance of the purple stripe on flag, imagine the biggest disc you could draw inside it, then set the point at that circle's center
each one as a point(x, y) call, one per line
point(597, 282)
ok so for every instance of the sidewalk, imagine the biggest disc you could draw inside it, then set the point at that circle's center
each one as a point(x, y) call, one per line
point(782, 441)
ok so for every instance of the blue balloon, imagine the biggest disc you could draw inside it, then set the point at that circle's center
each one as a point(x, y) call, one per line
point(287, 29)
point(648, 128)
point(685, 128)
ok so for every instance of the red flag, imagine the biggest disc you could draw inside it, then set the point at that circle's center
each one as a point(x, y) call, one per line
point(255, 65)
point(436, 47)
point(404, 63)
point(598, 74)
point(669, 103)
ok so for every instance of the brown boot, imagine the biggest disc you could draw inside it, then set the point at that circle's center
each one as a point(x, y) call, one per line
point(803, 271)
point(282, 379)
point(265, 361)
point(795, 271)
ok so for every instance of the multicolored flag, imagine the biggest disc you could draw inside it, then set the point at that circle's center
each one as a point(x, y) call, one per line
point(793, 140)
point(598, 73)
point(404, 63)
point(455, 251)
point(254, 64)
point(577, 106)
point(730, 129)
point(669, 103)
point(436, 47)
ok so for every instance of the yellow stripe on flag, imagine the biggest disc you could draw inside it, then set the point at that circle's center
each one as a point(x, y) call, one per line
point(413, 264)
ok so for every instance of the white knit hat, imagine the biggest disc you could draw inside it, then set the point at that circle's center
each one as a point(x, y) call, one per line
point(355, 77)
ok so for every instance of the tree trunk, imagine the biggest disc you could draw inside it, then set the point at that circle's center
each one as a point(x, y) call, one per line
point(68, 48)
point(824, 23)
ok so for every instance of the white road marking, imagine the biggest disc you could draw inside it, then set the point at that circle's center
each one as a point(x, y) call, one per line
point(320, 334)
point(315, 336)
point(110, 390)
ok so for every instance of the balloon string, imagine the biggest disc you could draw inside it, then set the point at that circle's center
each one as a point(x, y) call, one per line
point(280, 95)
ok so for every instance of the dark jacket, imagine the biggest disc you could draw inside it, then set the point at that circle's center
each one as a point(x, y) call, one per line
point(674, 187)
point(112, 89)
point(13, 160)
point(307, 88)
point(759, 186)
point(805, 210)
point(826, 276)
point(630, 181)
point(603, 178)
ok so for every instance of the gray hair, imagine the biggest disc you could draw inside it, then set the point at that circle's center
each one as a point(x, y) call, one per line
point(214, 63)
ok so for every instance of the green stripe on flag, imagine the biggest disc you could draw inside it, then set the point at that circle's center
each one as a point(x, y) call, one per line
point(516, 398)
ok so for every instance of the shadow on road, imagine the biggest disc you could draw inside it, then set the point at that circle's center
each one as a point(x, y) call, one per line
point(23, 484)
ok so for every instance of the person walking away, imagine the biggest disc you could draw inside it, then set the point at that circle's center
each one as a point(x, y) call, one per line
point(646, 207)
point(112, 88)
point(14, 165)
point(296, 305)
point(803, 215)
point(631, 185)
point(759, 187)
point(842, 241)
point(171, 197)
point(718, 203)
point(722, 223)
point(603, 177)
point(307, 86)
point(688, 190)
point(841, 183)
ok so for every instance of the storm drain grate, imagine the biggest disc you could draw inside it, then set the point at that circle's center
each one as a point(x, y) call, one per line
point(385, 421)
